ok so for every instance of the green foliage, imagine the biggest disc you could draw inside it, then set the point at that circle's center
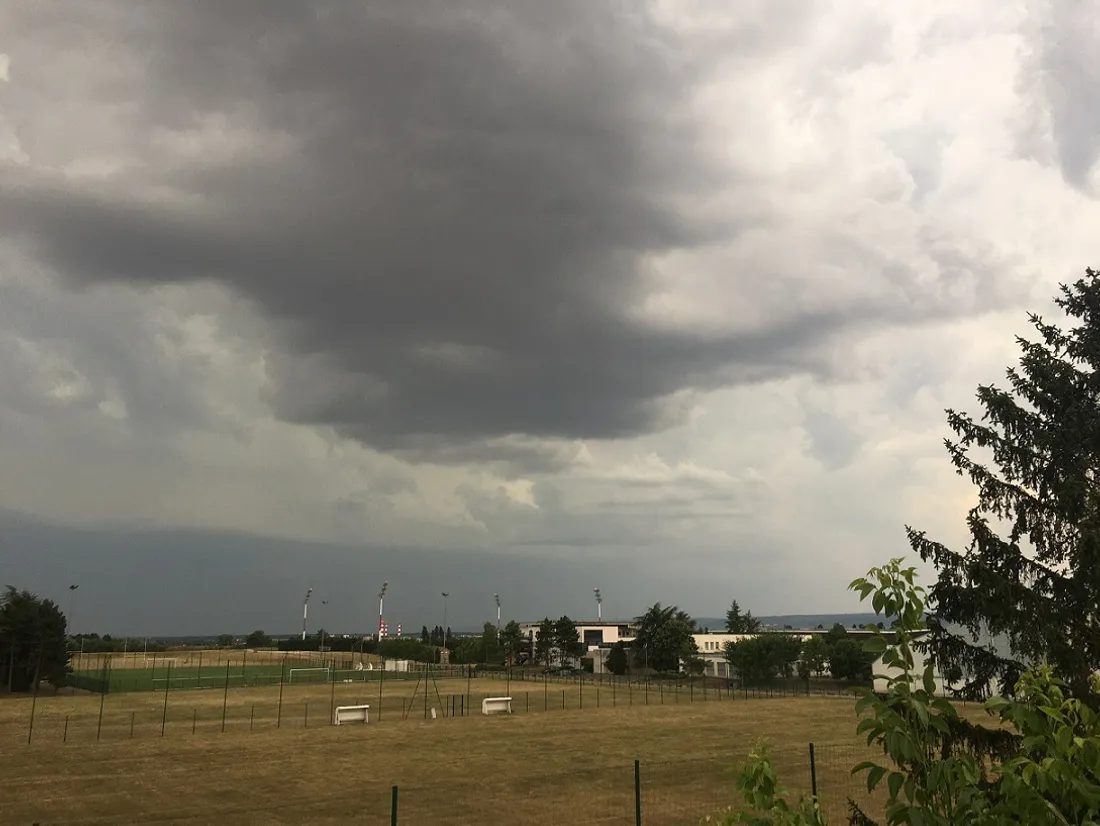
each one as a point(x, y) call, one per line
point(617, 659)
point(664, 639)
point(33, 642)
point(406, 648)
point(257, 639)
point(511, 640)
point(545, 642)
point(759, 660)
point(815, 657)
point(738, 623)
point(225, 641)
point(567, 641)
point(1029, 585)
point(1044, 769)
point(466, 650)
point(492, 653)
point(835, 634)
point(765, 802)
point(849, 660)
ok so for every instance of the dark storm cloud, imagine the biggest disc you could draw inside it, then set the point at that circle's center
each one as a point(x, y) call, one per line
point(196, 582)
point(446, 212)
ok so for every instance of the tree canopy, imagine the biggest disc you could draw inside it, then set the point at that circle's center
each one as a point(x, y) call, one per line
point(258, 639)
point(545, 642)
point(567, 640)
point(33, 641)
point(1031, 573)
point(664, 639)
point(511, 639)
point(758, 660)
point(738, 623)
point(617, 660)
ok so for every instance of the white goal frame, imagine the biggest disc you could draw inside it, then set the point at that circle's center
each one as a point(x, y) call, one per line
point(324, 668)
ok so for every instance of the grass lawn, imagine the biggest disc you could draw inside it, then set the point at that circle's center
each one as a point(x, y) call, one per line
point(542, 765)
point(214, 676)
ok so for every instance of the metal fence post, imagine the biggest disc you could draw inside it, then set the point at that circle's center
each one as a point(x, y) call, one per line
point(813, 772)
point(393, 807)
point(225, 693)
point(637, 793)
point(99, 724)
point(167, 685)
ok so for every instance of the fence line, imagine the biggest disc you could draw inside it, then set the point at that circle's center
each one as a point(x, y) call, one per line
point(310, 705)
point(653, 792)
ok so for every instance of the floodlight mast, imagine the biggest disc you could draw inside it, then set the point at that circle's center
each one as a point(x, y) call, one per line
point(497, 598)
point(305, 611)
point(445, 595)
point(599, 604)
point(381, 600)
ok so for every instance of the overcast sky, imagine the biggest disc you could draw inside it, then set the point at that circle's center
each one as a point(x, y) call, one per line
point(666, 297)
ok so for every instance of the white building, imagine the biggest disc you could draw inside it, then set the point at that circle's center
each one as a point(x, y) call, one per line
point(712, 649)
point(593, 634)
point(944, 688)
point(598, 637)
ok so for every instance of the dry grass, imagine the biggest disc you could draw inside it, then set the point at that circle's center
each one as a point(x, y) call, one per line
point(535, 767)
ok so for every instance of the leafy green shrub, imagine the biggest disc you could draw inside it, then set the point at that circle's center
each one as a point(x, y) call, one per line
point(1041, 766)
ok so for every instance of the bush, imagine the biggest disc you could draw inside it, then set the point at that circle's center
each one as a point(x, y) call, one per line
point(1041, 768)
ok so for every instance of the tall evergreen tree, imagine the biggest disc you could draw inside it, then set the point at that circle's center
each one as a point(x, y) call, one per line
point(1031, 574)
point(544, 642)
point(33, 641)
point(567, 641)
point(738, 623)
point(511, 638)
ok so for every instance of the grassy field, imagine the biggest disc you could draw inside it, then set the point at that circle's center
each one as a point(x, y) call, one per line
point(235, 675)
point(216, 668)
point(542, 765)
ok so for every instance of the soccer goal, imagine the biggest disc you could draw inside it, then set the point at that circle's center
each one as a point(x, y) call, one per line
point(310, 675)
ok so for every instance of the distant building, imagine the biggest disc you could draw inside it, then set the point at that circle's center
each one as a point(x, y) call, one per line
point(712, 649)
point(944, 687)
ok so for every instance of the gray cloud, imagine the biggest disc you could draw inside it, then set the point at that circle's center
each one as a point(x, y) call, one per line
point(206, 582)
point(445, 215)
point(525, 242)
point(1062, 76)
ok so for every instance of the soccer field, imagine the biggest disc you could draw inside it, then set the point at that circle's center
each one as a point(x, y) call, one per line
point(235, 676)
point(217, 669)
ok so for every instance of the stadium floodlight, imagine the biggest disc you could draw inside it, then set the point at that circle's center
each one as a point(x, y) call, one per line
point(381, 600)
point(305, 611)
point(599, 604)
point(445, 595)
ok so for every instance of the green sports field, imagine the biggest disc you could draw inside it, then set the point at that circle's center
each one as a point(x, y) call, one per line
point(235, 675)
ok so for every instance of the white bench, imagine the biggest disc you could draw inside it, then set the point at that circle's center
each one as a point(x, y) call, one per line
point(350, 714)
point(496, 705)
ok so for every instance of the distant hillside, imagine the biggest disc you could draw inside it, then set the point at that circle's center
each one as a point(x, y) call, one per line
point(800, 622)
